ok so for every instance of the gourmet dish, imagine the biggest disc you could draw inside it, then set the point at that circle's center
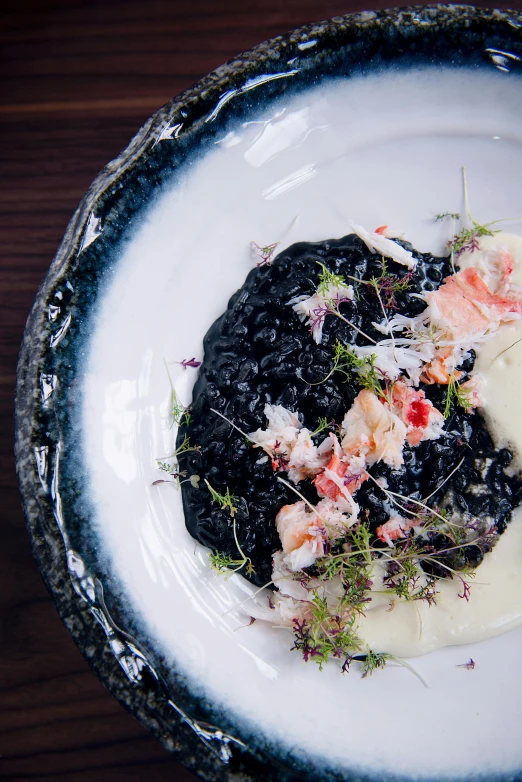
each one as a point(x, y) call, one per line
point(343, 447)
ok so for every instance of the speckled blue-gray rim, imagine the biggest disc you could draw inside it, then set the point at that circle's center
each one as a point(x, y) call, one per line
point(56, 326)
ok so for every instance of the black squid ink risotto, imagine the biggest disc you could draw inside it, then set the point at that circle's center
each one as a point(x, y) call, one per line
point(259, 353)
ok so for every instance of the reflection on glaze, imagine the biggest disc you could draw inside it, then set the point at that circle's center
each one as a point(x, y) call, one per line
point(502, 60)
point(48, 384)
point(169, 131)
point(126, 650)
point(41, 455)
point(92, 231)
point(130, 657)
point(251, 84)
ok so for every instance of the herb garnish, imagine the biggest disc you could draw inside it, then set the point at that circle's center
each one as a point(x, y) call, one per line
point(225, 501)
point(456, 395)
point(389, 285)
point(327, 279)
point(265, 254)
point(322, 424)
point(179, 413)
point(469, 665)
point(346, 361)
point(189, 362)
point(171, 467)
point(364, 368)
point(223, 563)
point(443, 215)
point(467, 239)
point(328, 282)
point(324, 634)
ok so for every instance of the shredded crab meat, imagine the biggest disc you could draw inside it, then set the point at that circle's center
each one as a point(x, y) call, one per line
point(423, 420)
point(377, 243)
point(337, 515)
point(393, 357)
point(313, 309)
point(389, 233)
point(306, 459)
point(372, 430)
point(494, 263)
point(281, 432)
point(463, 307)
point(350, 468)
point(395, 528)
point(303, 535)
point(290, 445)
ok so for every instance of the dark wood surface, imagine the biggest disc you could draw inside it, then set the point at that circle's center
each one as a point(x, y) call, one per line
point(77, 79)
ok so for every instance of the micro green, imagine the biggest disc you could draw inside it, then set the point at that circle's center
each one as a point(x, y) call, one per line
point(225, 501)
point(456, 395)
point(265, 254)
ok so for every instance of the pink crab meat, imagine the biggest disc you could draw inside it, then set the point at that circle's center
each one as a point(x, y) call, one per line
point(374, 431)
point(394, 529)
point(417, 412)
point(465, 307)
point(302, 534)
point(338, 464)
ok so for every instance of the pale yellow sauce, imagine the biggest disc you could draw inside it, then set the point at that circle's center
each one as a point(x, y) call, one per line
point(495, 604)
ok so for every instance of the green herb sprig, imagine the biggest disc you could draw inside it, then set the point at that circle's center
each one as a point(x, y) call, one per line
point(456, 395)
point(220, 562)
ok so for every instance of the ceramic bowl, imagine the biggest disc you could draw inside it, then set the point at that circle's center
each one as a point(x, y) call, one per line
point(370, 117)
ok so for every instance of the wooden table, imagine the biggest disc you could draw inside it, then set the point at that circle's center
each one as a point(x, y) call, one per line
point(77, 80)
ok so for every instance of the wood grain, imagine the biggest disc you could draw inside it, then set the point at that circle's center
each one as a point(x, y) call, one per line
point(77, 81)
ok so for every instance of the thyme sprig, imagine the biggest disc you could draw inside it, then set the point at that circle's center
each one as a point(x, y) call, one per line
point(365, 369)
point(322, 424)
point(372, 661)
point(226, 565)
point(169, 464)
point(325, 634)
point(444, 215)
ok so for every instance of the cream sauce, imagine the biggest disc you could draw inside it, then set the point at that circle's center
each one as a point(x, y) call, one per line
point(495, 604)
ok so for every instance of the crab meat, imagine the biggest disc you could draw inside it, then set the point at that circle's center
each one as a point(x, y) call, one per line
point(281, 432)
point(306, 459)
point(350, 469)
point(424, 421)
point(376, 242)
point(314, 309)
point(472, 389)
point(389, 233)
point(495, 260)
point(464, 307)
point(372, 430)
point(302, 534)
point(394, 529)
point(441, 367)
point(337, 516)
